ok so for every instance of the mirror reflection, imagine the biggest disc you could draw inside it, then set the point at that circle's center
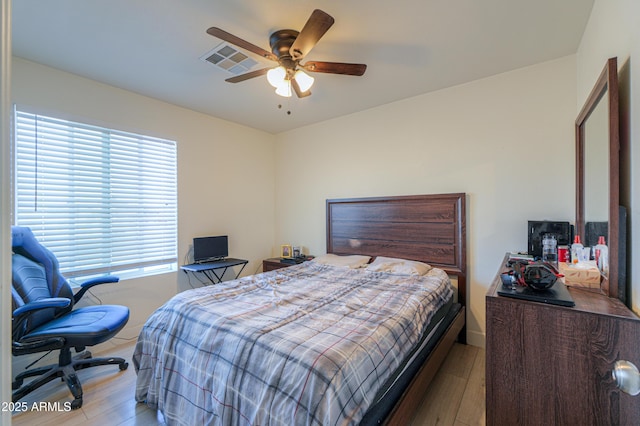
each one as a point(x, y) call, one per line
point(596, 165)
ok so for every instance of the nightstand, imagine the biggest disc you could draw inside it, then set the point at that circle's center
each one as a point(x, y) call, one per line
point(274, 263)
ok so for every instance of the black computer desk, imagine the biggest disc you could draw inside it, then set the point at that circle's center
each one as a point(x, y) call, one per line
point(209, 268)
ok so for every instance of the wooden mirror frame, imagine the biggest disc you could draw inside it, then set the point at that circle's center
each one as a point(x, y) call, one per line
point(605, 88)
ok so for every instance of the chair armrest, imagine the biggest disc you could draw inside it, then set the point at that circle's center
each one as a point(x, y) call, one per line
point(51, 302)
point(107, 279)
point(21, 314)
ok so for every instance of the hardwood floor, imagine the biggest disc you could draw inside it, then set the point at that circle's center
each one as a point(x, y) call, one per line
point(456, 396)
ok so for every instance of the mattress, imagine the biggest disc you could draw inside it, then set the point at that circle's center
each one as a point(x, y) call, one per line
point(308, 344)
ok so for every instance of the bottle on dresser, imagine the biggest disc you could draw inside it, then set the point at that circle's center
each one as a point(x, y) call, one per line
point(550, 248)
point(602, 255)
point(576, 250)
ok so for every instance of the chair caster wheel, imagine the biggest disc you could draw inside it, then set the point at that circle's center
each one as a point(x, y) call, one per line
point(123, 366)
point(76, 403)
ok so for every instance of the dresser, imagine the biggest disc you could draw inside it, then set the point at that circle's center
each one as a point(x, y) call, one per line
point(551, 365)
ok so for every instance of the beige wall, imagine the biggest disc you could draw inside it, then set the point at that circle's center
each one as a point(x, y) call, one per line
point(507, 141)
point(613, 30)
point(225, 173)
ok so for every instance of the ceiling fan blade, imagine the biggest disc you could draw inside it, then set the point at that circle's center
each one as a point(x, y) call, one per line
point(247, 76)
point(296, 88)
point(318, 24)
point(230, 38)
point(335, 67)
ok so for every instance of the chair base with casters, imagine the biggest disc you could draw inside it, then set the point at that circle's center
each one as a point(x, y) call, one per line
point(65, 369)
point(44, 319)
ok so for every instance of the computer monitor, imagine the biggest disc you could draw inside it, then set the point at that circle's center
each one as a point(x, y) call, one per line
point(210, 248)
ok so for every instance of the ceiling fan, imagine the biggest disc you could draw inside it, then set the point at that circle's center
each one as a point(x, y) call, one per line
point(288, 48)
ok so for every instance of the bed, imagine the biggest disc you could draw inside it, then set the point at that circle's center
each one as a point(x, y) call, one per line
point(318, 343)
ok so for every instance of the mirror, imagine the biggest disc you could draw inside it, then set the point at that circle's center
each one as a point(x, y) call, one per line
point(597, 168)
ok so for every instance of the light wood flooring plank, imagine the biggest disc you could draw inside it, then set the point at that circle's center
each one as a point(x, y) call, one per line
point(456, 396)
point(459, 361)
point(472, 407)
point(441, 403)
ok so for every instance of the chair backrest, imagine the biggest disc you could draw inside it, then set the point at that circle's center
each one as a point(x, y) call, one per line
point(36, 275)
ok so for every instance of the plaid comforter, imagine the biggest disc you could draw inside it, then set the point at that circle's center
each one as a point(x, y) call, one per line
point(306, 345)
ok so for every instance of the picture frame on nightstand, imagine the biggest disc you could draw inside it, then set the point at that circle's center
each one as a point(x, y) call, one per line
point(286, 251)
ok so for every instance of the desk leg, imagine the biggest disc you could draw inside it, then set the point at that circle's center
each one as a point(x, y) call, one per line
point(213, 276)
point(240, 271)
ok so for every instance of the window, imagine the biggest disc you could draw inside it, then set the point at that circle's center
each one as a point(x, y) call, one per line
point(101, 200)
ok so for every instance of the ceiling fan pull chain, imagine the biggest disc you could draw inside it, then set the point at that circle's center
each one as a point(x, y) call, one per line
point(288, 106)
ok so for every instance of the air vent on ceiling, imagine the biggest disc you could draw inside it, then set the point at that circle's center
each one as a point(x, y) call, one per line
point(229, 59)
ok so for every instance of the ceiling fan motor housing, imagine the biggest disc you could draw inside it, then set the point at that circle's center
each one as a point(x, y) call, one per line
point(280, 42)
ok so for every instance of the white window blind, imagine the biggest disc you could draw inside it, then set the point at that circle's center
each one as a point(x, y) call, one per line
point(101, 200)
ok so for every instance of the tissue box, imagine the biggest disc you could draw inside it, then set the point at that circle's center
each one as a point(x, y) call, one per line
point(585, 274)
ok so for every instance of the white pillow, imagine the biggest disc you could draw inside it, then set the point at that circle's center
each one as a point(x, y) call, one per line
point(398, 266)
point(353, 261)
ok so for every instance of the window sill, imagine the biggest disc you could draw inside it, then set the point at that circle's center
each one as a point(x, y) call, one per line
point(128, 274)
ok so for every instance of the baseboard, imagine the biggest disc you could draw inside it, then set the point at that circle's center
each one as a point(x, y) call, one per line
point(476, 338)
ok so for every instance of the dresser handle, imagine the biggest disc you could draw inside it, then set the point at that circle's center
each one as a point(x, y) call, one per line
point(627, 377)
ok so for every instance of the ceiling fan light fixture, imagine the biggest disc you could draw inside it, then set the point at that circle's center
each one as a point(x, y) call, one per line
point(304, 80)
point(284, 89)
point(276, 76)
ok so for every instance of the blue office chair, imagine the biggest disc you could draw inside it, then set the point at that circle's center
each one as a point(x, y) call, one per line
point(44, 318)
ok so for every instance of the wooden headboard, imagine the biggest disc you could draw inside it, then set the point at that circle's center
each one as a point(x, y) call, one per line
point(427, 228)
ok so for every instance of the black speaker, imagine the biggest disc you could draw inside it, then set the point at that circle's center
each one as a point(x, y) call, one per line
point(537, 228)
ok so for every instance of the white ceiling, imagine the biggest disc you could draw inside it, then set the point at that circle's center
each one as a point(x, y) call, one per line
point(153, 47)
